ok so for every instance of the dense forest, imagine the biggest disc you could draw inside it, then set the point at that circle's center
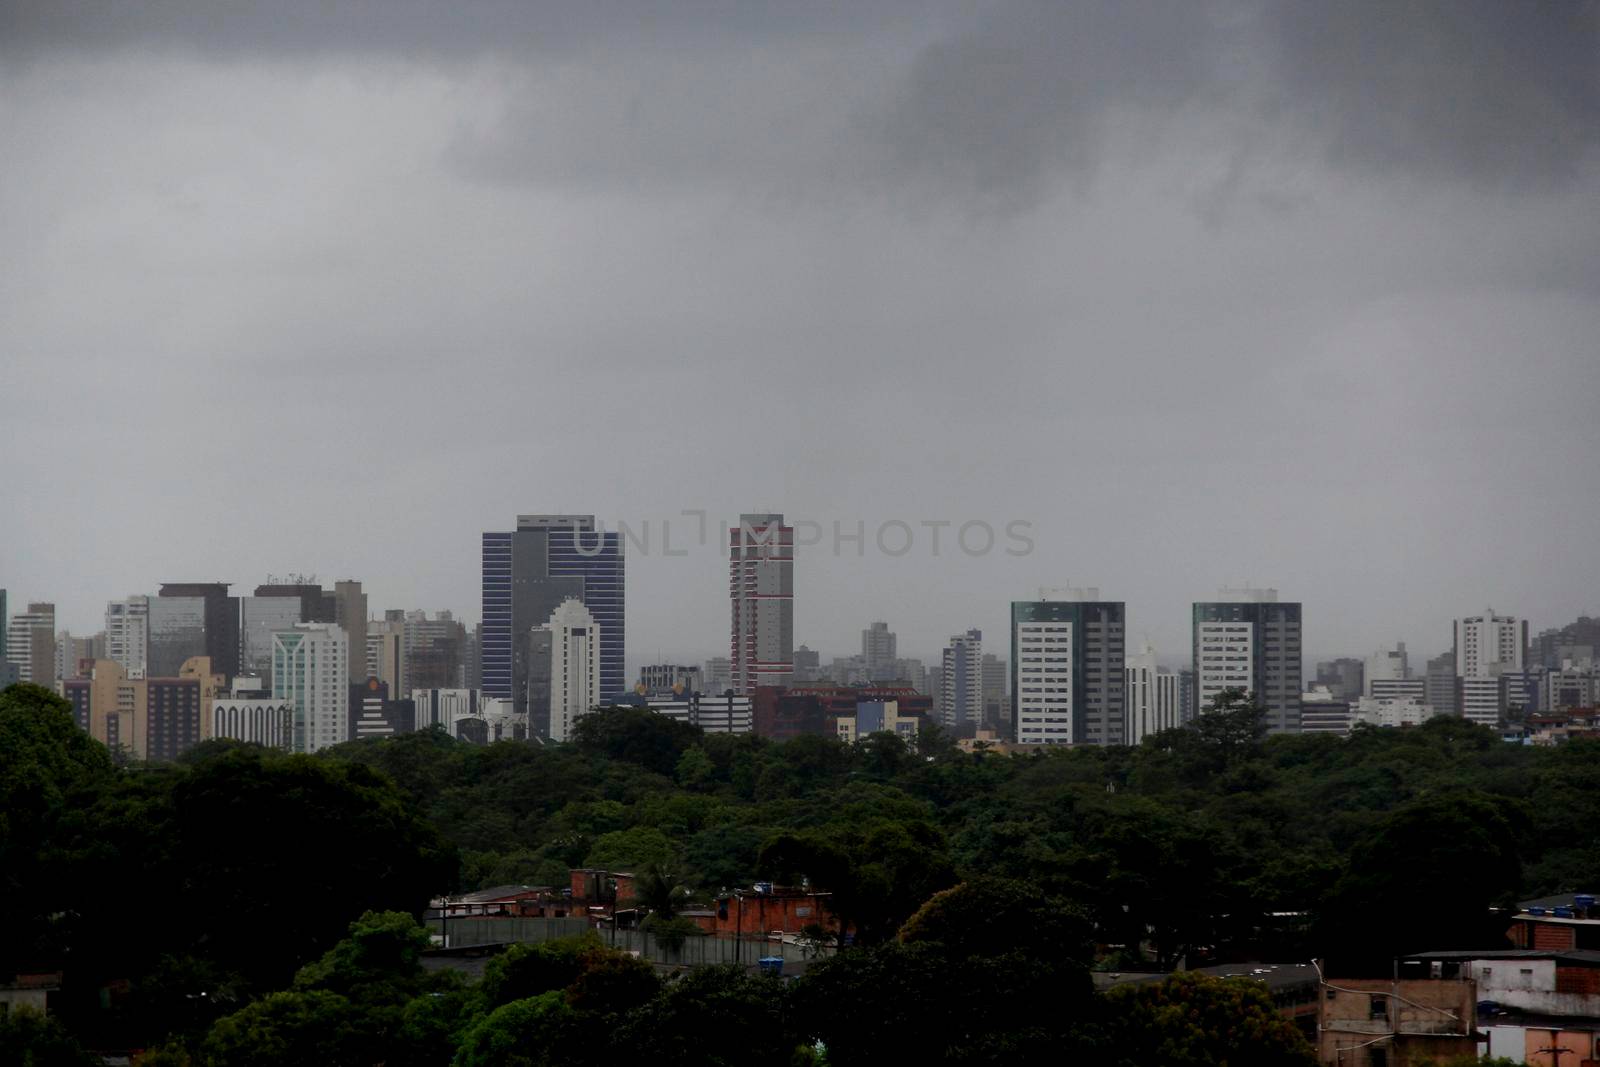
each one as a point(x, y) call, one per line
point(245, 906)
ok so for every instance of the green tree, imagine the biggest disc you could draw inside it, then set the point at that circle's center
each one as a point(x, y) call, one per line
point(288, 1027)
point(711, 1016)
point(1231, 727)
point(537, 1031)
point(636, 735)
point(1192, 1020)
point(29, 1038)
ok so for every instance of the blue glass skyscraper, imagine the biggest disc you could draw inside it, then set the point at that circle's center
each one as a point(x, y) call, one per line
point(527, 573)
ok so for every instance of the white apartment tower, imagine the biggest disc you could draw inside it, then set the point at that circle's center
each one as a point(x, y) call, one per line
point(1068, 669)
point(574, 642)
point(878, 651)
point(1152, 696)
point(310, 670)
point(1247, 639)
point(1486, 647)
point(761, 589)
point(128, 634)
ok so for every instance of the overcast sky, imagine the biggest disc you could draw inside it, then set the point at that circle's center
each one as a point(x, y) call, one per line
point(1303, 295)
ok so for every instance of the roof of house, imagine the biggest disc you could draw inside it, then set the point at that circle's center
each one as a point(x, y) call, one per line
point(1275, 976)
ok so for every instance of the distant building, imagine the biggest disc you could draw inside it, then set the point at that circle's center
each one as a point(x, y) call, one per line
point(350, 615)
point(442, 707)
point(1487, 646)
point(879, 651)
point(246, 714)
point(433, 650)
point(1385, 665)
point(715, 713)
point(373, 714)
point(128, 634)
point(1247, 639)
point(996, 692)
point(960, 703)
point(310, 665)
point(1390, 713)
point(807, 664)
point(386, 653)
point(151, 718)
point(1323, 713)
point(527, 574)
point(1068, 668)
point(1413, 689)
point(259, 618)
point(576, 645)
point(761, 591)
point(218, 629)
point(1344, 678)
point(666, 678)
point(785, 712)
point(31, 644)
point(1151, 693)
point(1442, 688)
point(878, 716)
point(718, 674)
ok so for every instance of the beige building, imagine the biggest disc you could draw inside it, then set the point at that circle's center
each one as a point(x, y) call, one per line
point(1386, 1022)
point(119, 712)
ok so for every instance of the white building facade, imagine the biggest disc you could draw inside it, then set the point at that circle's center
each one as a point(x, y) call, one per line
point(128, 634)
point(310, 670)
point(575, 644)
point(1487, 646)
point(1152, 696)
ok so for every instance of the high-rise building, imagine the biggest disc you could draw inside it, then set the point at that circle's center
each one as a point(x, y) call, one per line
point(218, 628)
point(878, 650)
point(1151, 695)
point(718, 674)
point(444, 707)
point(1345, 678)
point(386, 643)
point(152, 718)
point(433, 650)
point(1322, 713)
point(960, 703)
point(996, 692)
point(1442, 688)
point(807, 664)
point(259, 618)
point(310, 669)
point(1576, 641)
point(31, 643)
point(761, 589)
point(128, 634)
point(576, 646)
point(350, 615)
point(1487, 646)
point(1068, 668)
point(527, 574)
point(1247, 639)
point(5, 625)
point(1385, 665)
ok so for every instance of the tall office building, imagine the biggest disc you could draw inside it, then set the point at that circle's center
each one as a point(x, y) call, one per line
point(576, 648)
point(878, 644)
point(1442, 689)
point(661, 679)
point(718, 672)
point(996, 692)
point(259, 618)
point(807, 664)
point(434, 650)
point(1247, 639)
point(386, 653)
point(1151, 694)
point(5, 626)
point(31, 644)
point(761, 588)
point(1345, 678)
point(310, 669)
point(1385, 665)
point(1487, 646)
point(218, 628)
point(128, 634)
point(1068, 661)
point(960, 702)
point(350, 615)
point(527, 574)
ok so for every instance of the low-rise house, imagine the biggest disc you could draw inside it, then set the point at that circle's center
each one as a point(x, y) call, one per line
point(1396, 1021)
point(1531, 1002)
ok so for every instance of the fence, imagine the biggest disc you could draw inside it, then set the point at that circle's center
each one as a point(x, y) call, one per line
point(465, 931)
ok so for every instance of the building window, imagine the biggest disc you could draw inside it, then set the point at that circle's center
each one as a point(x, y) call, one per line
point(1379, 1008)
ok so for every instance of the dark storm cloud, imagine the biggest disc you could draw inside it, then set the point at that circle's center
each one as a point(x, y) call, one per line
point(1483, 91)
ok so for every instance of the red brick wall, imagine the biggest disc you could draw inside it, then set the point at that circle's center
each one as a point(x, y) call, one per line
point(763, 914)
point(1551, 936)
point(1577, 980)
